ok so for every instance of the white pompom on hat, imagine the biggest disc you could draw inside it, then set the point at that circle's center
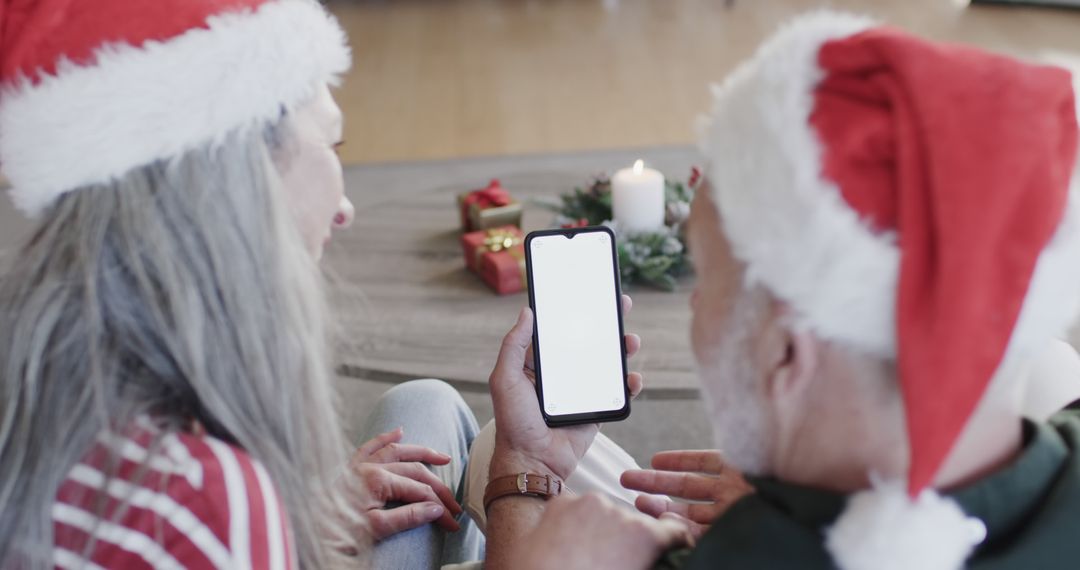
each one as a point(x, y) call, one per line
point(90, 89)
point(913, 200)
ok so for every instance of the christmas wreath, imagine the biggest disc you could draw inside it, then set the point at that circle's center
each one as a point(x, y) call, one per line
point(656, 258)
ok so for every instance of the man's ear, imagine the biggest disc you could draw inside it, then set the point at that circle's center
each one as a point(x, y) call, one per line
point(792, 358)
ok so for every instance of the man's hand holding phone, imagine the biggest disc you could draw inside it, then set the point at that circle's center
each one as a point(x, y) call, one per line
point(576, 528)
point(523, 442)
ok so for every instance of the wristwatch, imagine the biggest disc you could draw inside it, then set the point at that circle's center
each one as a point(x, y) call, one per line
point(528, 484)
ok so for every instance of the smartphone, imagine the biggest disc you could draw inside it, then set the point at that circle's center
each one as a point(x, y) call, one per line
point(579, 350)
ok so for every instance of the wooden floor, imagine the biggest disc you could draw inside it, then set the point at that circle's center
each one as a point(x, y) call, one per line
point(408, 308)
point(454, 78)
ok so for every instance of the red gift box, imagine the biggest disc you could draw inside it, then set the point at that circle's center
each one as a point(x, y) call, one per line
point(498, 257)
point(488, 208)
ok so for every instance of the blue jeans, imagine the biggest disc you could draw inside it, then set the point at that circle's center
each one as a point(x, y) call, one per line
point(433, 415)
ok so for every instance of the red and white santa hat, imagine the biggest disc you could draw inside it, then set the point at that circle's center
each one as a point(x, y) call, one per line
point(90, 89)
point(914, 200)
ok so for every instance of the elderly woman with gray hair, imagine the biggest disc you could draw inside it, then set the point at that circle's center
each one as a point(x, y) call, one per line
point(165, 398)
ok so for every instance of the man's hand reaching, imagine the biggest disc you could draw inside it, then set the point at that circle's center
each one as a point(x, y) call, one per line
point(699, 476)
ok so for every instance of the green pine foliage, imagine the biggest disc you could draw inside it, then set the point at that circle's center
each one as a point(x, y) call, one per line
point(656, 259)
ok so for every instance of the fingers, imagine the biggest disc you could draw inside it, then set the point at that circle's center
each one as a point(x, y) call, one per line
point(421, 474)
point(657, 506)
point(386, 523)
point(633, 341)
point(512, 353)
point(398, 488)
point(530, 360)
point(718, 492)
point(700, 461)
point(378, 442)
point(682, 485)
point(675, 517)
point(636, 383)
point(633, 345)
point(696, 530)
point(406, 452)
point(671, 533)
point(701, 513)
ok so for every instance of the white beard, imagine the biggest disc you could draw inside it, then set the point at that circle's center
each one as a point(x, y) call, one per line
point(730, 392)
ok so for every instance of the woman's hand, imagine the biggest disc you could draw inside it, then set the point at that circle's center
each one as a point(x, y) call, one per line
point(395, 472)
point(523, 442)
point(591, 532)
point(700, 476)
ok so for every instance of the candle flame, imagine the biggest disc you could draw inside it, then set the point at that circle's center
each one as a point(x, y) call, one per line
point(639, 166)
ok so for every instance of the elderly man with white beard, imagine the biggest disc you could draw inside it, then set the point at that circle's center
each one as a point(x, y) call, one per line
point(887, 238)
point(871, 292)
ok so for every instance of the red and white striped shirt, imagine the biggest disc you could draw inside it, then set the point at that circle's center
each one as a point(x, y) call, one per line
point(196, 502)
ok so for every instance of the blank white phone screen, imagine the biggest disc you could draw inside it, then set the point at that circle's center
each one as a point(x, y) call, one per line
point(577, 323)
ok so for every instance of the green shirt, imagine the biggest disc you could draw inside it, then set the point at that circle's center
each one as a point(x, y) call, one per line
point(1031, 510)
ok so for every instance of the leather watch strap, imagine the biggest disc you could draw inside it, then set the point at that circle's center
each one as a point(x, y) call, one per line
point(528, 484)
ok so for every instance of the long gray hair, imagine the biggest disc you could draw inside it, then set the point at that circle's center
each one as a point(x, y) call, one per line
point(181, 291)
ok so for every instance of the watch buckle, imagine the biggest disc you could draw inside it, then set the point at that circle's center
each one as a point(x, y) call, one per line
point(523, 482)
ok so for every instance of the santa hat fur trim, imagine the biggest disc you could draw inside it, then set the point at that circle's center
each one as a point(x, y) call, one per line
point(884, 529)
point(838, 274)
point(762, 112)
point(798, 236)
point(243, 68)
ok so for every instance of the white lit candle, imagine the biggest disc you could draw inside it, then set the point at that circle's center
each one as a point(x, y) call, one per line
point(637, 198)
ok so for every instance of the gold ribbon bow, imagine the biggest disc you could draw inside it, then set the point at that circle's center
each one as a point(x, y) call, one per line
point(498, 240)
